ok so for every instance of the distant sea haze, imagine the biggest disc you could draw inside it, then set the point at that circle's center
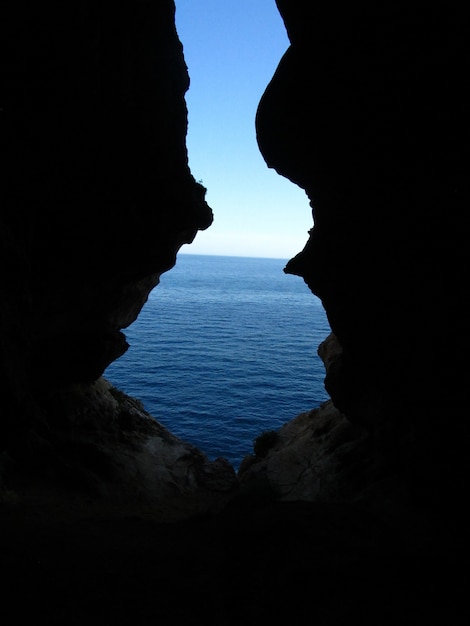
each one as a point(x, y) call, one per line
point(224, 349)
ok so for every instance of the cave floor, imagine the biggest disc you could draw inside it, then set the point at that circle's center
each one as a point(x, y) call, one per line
point(251, 564)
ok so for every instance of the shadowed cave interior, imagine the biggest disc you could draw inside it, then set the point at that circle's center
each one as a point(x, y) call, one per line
point(357, 509)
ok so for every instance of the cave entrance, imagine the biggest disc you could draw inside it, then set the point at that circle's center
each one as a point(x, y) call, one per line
point(225, 348)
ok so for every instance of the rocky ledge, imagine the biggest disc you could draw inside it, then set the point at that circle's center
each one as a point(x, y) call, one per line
point(101, 451)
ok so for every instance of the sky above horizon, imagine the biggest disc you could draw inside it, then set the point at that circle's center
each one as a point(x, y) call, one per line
point(232, 49)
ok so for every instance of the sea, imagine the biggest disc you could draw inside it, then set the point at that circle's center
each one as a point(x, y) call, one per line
point(224, 349)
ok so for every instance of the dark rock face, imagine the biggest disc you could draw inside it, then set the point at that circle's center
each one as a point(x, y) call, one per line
point(96, 192)
point(366, 112)
point(96, 199)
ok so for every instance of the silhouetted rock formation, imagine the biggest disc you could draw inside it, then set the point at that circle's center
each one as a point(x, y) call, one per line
point(97, 196)
point(96, 200)
point(367, 112)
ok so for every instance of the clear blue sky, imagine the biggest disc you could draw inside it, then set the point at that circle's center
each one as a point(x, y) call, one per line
point(232, 48)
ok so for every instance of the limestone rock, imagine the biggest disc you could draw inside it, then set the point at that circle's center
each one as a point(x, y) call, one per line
point(96, 200)
point(366, 112)
point(96, 193)
point(317, 456)
point(101, 452)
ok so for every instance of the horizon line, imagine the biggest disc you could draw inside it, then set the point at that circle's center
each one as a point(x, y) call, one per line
point(236, 256)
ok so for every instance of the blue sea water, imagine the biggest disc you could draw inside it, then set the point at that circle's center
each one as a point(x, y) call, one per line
point(225, 348)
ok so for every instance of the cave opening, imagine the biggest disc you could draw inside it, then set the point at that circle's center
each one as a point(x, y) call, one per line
point(225, 347)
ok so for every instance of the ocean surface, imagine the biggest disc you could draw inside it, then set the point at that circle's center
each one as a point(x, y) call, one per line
point(225, 348)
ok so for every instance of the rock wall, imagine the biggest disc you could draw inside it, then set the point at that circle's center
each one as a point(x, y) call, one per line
point(96, 192)
point(96, 199)
point(367, 112)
